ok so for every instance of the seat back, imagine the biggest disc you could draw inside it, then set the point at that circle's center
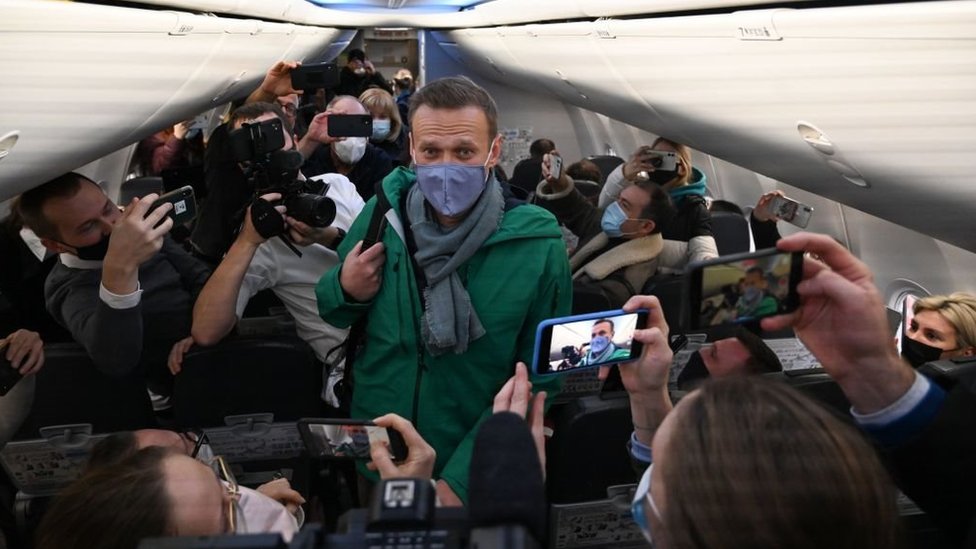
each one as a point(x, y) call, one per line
point(245, 376)
point(606, 162)
point(588, 431)
point(670, 291)
point(731, 232)
point(820, 387)
point(70, 390)
point(139, 187)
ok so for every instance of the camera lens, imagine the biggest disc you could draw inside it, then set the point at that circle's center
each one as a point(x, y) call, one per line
point(311, 209)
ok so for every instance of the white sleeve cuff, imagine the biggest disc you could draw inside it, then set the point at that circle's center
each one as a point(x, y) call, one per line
point(898, 408)
point(117, 301)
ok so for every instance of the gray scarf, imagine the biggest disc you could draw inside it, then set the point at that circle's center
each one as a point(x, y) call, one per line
point(450, 322)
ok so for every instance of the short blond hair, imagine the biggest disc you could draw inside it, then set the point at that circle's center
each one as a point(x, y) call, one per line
point(959, 309)
point(377, 97)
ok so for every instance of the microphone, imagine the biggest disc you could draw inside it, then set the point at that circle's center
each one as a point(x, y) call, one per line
point(506, 492)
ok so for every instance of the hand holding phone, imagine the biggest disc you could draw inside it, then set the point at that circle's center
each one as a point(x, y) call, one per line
point(585, 341)
point(742, 288)
point(348, 438)
point(419, 458)
point(184, 204)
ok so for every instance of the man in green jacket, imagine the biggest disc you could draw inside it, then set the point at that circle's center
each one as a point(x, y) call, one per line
point(456, 285)
point(602, 348)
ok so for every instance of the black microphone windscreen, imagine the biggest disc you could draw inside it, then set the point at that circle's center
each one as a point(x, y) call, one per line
point(506, 484)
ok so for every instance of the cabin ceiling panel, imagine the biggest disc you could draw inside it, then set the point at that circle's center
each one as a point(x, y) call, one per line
point(899, 108)
point(81, 93)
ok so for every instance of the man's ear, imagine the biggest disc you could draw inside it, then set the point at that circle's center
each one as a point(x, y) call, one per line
point(410, 143)
point(56, 246)
point(495, 153)
point(647, 226)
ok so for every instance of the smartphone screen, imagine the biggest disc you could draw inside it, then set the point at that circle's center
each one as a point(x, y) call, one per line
point(184, 205)
point(349, 438)
point(597, 339)
point(555, 166)
point(743, 287)
point(791, 211)
point(350, 125)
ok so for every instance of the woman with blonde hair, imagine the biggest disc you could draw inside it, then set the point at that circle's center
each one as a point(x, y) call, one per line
point(942, 327)
point(389, 131)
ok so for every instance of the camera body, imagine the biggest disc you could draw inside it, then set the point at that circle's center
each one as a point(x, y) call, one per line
point(270, 169)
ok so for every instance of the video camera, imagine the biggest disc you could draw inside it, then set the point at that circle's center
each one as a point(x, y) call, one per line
point(270, 169)
point(402, 514)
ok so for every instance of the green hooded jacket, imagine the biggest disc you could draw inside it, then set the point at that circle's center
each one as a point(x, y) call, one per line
point(519, 277)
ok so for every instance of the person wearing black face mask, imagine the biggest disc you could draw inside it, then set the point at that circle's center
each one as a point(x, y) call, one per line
point(685, 185)
point(122, 288)
point(942, 327)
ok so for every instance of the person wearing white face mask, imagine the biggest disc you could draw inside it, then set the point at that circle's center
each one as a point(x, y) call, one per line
point(621, 247)
point(453, 291)
point(354, 157)
point(389, 132)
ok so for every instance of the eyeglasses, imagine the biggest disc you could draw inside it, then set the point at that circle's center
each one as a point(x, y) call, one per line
point(198, 438)
point(288, 108)
point(642, 497)
point(228, 480)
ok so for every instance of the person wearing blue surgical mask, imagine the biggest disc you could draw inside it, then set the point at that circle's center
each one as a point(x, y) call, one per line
point(621, 247)
point(389, 131)
point(451, 292)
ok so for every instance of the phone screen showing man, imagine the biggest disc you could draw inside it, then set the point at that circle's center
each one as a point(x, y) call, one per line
point(588, 343)
point(747, 290)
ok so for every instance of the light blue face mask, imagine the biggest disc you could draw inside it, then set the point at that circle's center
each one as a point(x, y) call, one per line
point(451, 189)
point(599, 344)
point(613, 221)
point(381, 129)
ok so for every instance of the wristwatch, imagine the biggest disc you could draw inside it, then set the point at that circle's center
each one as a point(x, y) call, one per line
point(337, 240)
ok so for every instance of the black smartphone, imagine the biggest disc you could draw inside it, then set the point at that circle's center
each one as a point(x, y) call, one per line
point(742, 288)
point(184, 205)
point(9, 376)
point(350, 125)
point(315, 76)
point(567, 344)
point(347, 438)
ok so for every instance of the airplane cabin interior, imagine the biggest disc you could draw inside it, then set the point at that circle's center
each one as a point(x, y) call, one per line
point(864, 111)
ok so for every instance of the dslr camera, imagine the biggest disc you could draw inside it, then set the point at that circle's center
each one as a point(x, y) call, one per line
point(270, 169)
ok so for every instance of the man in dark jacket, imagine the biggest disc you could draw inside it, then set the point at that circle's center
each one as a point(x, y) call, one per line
point(359, 74)
point(354, 157)
point(122, 288)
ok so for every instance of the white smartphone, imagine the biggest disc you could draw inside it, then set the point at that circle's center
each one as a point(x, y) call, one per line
point(791, 211)
point(555, 166)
